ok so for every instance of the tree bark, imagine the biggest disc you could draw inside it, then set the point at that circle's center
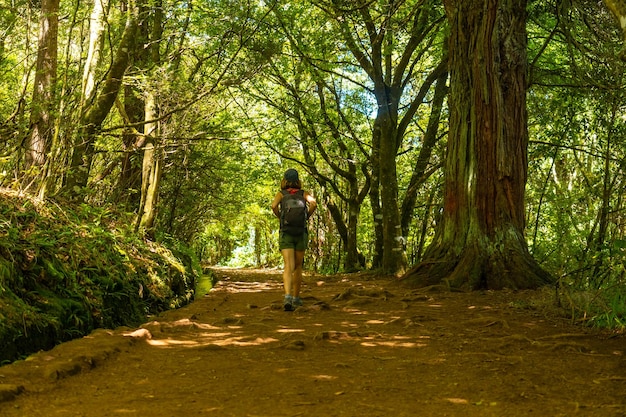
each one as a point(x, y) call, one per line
point(385, 126)
point(151, 172)
point(480, 241)
point(374, 196)
point(618, 8)
point(152, 167)
point(42, 126)
point(129, 182)
point(388, 52)
point(420, 172)
point(93, 117)
point(94, 53)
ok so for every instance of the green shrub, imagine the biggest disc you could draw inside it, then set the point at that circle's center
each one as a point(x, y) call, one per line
point(65, 271)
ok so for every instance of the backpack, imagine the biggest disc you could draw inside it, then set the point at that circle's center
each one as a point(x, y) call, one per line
point(293, 212)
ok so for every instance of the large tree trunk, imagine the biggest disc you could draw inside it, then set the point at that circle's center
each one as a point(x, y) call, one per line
point(345, 170)
point(97, 23)
point(152, 167)
point(353, 261)
point(385, 126)
point(42, 126)
point(151, 172)
point(92, 119)
point(389, 52)
point(375, 204)
point(480, 241)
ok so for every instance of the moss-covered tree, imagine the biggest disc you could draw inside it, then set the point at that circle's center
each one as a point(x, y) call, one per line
point(94, 114)
point(41, 117)
point(618, 8)
point(480, 241)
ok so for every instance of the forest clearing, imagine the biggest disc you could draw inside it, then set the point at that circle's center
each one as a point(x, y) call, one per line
point(362, 345)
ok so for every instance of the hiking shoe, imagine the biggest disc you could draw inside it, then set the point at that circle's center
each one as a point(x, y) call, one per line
point(297, 302)
point(288, 303)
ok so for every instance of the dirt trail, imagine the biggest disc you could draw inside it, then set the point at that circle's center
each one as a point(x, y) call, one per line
point(361, 346)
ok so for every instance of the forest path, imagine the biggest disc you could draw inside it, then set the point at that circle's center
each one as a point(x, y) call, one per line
point(360, 346)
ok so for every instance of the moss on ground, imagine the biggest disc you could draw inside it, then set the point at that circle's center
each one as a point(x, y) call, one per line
point(67, 270)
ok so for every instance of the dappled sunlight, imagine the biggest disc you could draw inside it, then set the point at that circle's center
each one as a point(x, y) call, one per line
point(457, 400)
point(170, 342)
point(290, 330)
point(373, 339)
point(187, 322)
point(356, 311)
point(209, 335)
point(396, 341)
point(240, 341)
point(393, 344)
point(323, 377)
point(205, 326)
point(234, 287)
point(350, 349)
point(182, 323)
point(356, 329)
point(213, 340)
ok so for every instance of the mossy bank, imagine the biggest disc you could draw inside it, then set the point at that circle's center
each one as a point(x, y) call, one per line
point(67, 270)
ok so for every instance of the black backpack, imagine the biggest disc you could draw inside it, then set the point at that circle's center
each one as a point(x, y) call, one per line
point(293, 212)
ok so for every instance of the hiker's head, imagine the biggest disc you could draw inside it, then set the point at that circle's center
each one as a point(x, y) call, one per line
point(290, 180)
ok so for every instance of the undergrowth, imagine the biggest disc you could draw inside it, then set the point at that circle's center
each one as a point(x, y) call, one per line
point(600, 308)
point(65, 271)
point(603, 308)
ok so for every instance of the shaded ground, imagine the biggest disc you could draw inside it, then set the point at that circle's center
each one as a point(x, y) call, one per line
point(361, 346)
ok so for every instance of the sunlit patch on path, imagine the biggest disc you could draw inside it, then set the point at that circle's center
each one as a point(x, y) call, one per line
point(371, 312)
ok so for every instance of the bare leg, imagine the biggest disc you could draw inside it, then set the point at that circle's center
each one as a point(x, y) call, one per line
point(289, 258)
point(297, 272)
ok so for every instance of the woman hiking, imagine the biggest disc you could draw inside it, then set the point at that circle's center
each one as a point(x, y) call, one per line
point(293, 206)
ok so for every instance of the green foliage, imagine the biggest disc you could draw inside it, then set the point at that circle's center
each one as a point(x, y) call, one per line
point(575, 182)
point(244, 230)
point(612, 311)
point(246, 90)
point(66, 271)
point(601, 308)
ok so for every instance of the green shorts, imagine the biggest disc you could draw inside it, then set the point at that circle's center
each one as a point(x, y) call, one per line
point(287, 241)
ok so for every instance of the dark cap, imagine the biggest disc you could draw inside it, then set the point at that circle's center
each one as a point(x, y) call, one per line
point(291, 175)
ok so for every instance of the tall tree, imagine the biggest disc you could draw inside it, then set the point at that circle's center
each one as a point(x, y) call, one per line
point(187, 64)
point(330, 140)
point(326, 112)
point(480, 240)
point(378, 48)
point(348, 160)
point(431, 136)
point(388, 39)
point(97, 25)
point(41, 118)
point(153, 152)
point(95, 113)
point(618, 8)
